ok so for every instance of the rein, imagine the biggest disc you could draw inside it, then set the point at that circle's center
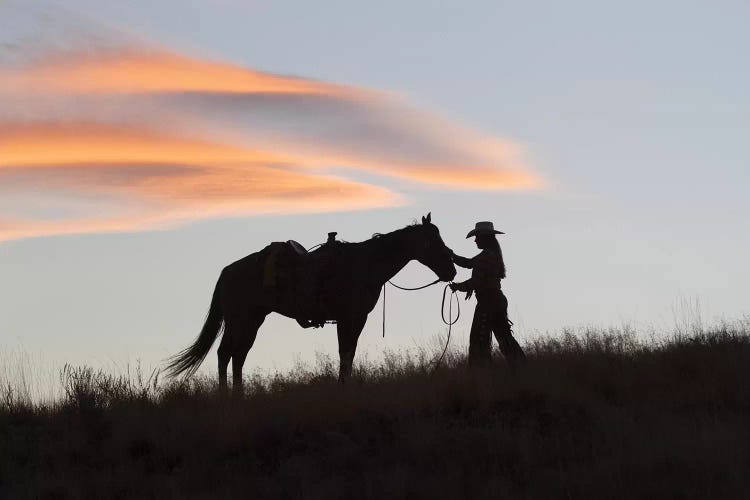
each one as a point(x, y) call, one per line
point(412, 289)
point(449, 322)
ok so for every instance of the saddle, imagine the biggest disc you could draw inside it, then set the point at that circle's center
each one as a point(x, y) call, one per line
point(291, 272)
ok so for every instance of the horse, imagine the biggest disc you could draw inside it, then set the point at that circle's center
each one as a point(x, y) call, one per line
point(339, 283)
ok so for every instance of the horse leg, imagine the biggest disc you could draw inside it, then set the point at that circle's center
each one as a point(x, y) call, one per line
point(241, 344)
point(224, 353)
point(348, 331)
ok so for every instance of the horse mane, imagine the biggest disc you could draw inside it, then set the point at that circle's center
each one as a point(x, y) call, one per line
point(405, 228)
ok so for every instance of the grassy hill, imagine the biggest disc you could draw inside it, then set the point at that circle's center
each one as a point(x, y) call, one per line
point(594, 415)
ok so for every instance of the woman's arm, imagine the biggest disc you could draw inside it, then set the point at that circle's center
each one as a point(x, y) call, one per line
point(462, 261)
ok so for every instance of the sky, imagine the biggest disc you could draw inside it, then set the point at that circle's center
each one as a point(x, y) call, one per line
point(146, 145)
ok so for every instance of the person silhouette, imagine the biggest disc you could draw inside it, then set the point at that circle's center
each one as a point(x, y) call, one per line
point(491, 312)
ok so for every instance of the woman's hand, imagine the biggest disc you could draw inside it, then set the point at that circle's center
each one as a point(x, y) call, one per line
point(461, 261)
point(462, 287)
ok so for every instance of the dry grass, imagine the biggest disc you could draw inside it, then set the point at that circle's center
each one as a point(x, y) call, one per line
point(593, 415)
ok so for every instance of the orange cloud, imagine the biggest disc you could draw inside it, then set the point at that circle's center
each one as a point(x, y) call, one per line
point(490, 167)
point(131, 71)
point(19, 228)
point(167, 179)
point(92, 132)
point(472, 178)
point(45, 143)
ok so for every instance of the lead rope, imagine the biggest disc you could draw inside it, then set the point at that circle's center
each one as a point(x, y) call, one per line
point(449, 322)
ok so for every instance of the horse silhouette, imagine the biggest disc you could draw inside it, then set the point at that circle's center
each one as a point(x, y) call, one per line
point(339, 282)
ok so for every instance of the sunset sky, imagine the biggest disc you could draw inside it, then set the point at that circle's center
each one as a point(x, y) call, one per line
point(145, 145)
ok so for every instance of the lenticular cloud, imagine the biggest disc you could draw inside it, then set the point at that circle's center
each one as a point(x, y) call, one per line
point(142, 138)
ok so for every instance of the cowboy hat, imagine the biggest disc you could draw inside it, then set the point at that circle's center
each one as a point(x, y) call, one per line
point(484, 227)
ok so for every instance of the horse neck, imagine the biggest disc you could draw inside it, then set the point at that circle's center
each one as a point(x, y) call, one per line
point(387, 255)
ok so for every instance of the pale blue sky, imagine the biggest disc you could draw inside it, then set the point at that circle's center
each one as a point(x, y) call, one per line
point(636, 113)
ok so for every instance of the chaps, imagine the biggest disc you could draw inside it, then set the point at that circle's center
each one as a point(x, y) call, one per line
point(491, 316)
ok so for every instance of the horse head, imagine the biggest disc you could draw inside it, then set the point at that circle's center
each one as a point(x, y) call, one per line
point(430, 250)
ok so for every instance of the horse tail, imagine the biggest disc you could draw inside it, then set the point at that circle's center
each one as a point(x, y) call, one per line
point(188, 360)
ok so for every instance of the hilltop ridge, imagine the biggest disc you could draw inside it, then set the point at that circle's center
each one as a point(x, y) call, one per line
point(599, 414)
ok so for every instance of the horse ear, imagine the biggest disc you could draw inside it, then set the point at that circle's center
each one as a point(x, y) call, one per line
point(428, 219)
